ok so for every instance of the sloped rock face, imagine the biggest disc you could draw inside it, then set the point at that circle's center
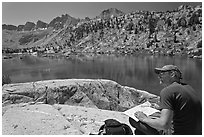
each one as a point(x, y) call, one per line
point(45, 119)
point(102, 94)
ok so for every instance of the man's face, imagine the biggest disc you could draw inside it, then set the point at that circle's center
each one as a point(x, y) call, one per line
point(164, 77)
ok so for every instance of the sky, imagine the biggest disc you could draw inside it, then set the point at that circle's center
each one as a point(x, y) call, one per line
point(18, 13)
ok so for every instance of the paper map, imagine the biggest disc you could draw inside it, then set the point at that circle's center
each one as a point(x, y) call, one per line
point(145, 108)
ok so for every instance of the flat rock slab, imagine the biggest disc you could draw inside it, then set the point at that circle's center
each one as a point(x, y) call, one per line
point(45, 119)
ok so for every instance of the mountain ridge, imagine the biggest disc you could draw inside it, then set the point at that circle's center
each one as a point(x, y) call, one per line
point(59, 22)
point(178, 31)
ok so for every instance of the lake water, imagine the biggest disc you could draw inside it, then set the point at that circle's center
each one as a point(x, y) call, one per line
point(132, 71)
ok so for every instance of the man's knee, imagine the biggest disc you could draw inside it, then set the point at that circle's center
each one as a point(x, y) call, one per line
point(133, 123)
point(138, 125)
point(142, 127)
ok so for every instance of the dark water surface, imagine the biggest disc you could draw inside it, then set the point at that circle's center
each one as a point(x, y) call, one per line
point(132, 71)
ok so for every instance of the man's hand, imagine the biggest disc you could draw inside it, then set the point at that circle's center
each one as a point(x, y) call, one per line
point(140, 115)
point(156, 106)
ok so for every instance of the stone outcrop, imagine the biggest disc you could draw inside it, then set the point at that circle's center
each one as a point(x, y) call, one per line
point(102, 94)
point(70, 106)
point(29, 26)
point(41, 25)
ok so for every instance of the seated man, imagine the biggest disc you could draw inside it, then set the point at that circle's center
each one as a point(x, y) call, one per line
point(179, 105)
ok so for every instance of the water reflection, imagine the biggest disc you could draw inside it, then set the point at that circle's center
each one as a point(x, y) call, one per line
point(137, 72)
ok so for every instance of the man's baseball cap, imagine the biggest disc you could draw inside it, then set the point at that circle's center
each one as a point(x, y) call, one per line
point(167, 68)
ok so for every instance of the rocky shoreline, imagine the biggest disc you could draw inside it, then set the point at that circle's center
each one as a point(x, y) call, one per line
point(67, 106)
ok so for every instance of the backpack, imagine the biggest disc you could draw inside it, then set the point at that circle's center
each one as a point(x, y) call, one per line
point(114, 127)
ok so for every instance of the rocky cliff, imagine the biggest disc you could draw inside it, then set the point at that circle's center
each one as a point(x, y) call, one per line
point(70, 106)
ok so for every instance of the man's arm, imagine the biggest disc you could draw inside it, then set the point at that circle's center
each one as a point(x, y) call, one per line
point(161, 123)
